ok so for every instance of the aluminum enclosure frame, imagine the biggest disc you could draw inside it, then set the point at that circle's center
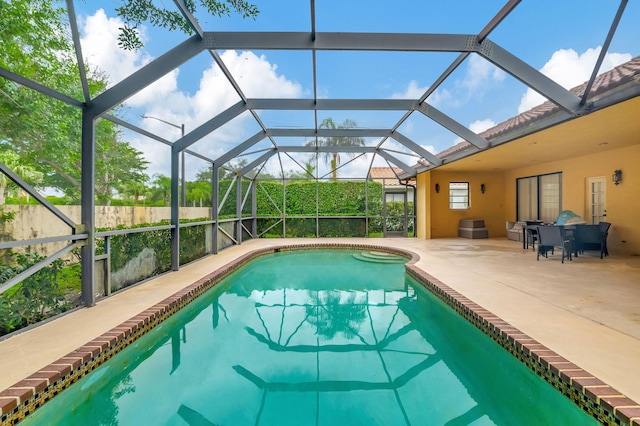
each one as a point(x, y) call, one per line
point(99, 107)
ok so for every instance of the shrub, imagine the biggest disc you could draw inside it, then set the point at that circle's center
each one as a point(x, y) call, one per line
point(125, 247)
point(34, 299)
point(193, 242)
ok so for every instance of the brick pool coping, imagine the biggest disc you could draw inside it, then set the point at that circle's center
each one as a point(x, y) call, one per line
point(598, 399)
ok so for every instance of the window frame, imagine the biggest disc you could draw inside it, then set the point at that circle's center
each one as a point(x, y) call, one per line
point(466, 203)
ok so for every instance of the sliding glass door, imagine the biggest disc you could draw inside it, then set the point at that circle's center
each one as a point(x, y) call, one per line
point(539, 197)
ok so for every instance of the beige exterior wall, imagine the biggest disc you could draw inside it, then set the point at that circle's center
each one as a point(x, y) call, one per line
point(443, 222)
point(622, 201)
point(498, 203)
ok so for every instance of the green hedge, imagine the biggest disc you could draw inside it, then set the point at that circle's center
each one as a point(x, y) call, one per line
point(336, 198)
point(126, 247)
point(193, 243)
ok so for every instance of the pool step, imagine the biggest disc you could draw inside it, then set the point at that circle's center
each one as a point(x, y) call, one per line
point(379, 257)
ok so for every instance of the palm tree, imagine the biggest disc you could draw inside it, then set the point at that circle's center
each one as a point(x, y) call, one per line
point(333, 158)
point(336, 312)
point(28, 173)
point(198, 191)
point(309, 169)
point(161, 188)
point(134, 190)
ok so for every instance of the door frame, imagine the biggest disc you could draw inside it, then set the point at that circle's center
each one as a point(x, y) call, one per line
point(405, 215)
point(592, 217)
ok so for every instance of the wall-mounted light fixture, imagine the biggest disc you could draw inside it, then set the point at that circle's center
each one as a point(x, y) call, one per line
point(482, 188)
point(437, 188)
point(617, 177)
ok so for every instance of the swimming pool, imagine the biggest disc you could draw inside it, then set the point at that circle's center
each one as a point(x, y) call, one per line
point(276, 342)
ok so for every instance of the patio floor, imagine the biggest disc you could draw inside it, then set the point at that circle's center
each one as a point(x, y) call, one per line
point(586, 310)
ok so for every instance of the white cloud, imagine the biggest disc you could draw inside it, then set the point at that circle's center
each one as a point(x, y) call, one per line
point(430, 148)
point(100, 48)
point(480, 126)
point(256, 76)
point(101, 51)
point(479, 73)
point(569, 69)
point(477, 127)
point(478, 76)
point(413, 91)
point(439, 97)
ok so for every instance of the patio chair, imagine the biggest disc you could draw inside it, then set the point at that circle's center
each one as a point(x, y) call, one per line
point(532, 234)
point(604, 231)
point(590, 237)
point(550, 237)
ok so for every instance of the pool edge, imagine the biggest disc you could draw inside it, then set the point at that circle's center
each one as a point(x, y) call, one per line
point(592, 395)
point(595, 397)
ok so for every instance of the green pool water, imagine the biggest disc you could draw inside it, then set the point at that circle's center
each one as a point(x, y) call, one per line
point(313, 338)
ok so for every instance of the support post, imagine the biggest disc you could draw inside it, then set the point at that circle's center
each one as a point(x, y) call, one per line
point(214, 206)
point(87, 188)
point(175, 210)
point(183, 182)
point(366, 207)
point(406, 219)
point(284, 208)
point(239, 209)
point(254, 208)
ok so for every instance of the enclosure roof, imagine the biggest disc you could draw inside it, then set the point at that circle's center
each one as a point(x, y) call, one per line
point(434, 50)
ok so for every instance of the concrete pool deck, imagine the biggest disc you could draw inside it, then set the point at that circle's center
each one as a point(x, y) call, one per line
point(585, 310)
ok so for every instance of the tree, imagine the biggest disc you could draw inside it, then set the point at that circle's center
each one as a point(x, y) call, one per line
point(135, 12)
point(228, 172)
point(54, 151)
point(333, 158)
point(43, 131)
point(118, 165)
point(24, 171)
point(31, 29)
point(308, 172)
point(161, 189)
point(133, 190)
point(199, 192)
point(336, 312)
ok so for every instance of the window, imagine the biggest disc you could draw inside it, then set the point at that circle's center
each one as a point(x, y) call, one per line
point(458, 195)
point(539, 197)
point(395, 197)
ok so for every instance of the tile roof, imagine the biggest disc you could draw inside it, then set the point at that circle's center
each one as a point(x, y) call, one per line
point(384, 172)
point(606, 83)
point(386, 175)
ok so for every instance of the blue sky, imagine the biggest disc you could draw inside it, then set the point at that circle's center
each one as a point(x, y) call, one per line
point(560, 38)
